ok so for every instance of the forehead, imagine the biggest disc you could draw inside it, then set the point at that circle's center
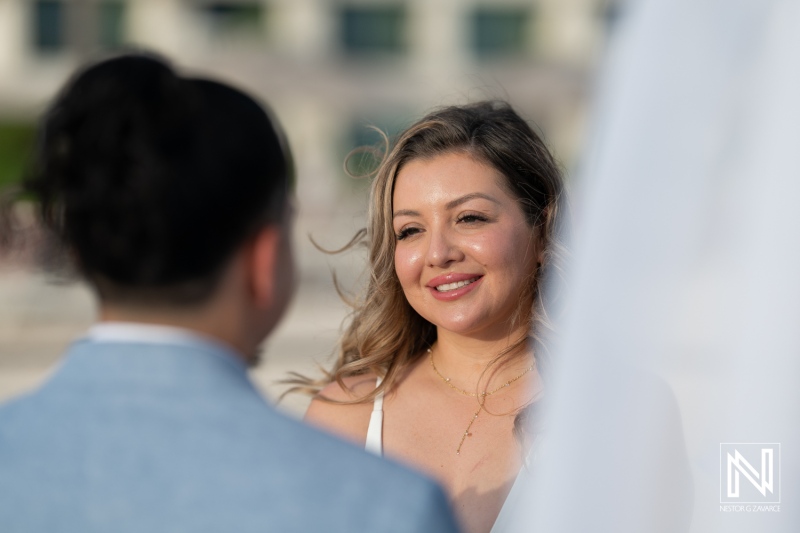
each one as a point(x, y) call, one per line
point(445, 177)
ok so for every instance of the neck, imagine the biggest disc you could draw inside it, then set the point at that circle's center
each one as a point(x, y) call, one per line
point(202, 320)
point(466, 359)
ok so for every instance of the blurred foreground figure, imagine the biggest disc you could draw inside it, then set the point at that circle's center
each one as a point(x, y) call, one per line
point(682, 344)
point(172, 196)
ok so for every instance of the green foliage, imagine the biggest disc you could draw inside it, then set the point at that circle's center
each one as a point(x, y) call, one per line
point(16, 146)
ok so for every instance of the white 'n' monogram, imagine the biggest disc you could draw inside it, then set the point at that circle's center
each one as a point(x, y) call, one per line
point(762, 482)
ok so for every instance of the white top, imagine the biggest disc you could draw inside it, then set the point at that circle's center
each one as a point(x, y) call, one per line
point(374, 445)
point(375, 430)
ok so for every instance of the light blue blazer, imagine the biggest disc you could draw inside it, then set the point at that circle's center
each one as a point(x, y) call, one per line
point(173, 437)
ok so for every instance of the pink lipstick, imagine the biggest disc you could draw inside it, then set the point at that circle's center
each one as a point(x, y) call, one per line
point(448, 287)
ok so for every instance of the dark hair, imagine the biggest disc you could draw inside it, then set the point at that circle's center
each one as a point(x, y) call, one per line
point(151, 180)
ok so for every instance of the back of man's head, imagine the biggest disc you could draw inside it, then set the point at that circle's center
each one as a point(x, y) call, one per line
point(152, 180)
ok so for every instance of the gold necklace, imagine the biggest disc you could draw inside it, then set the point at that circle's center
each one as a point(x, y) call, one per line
point(481, 397)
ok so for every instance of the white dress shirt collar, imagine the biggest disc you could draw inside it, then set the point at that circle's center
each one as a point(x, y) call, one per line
point(136, 332)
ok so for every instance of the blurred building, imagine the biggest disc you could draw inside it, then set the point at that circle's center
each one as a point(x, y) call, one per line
point(328, 67)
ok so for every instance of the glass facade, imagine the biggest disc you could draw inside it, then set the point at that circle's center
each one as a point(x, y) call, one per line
point(51, 32)
point(233, 17)
point(371, 30)
point(499, 31)
point(48, 26)
point(111, 19)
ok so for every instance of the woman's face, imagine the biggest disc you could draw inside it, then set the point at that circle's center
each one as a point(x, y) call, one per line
point(464, 250)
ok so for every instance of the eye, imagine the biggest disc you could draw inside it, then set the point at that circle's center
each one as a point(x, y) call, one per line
point(472, 218)
point(406, 232)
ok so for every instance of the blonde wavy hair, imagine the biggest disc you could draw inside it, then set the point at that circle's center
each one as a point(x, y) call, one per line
point(385, 335)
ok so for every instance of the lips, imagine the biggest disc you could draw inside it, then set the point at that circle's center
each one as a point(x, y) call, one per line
point(454, 285)
point(447, 287)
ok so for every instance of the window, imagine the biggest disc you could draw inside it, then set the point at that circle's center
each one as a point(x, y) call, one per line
point(361, 149)
point(499, 31)
point(111, 24)
point(48, 25)
point(59, 24)
point(364, 144)
point(234, 17)
point(373, 30)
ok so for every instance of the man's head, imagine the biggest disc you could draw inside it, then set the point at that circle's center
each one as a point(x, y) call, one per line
point(157, 183)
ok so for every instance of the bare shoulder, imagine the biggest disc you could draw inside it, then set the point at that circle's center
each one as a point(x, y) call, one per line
point(345, 420)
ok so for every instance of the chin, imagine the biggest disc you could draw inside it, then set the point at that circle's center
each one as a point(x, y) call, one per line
point(472, 326)
point(464, 327)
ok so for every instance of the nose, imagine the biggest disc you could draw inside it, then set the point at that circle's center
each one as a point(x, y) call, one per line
point(443, 249)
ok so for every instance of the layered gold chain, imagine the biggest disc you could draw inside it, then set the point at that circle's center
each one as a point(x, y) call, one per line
point(449, 383)
point(481, 397)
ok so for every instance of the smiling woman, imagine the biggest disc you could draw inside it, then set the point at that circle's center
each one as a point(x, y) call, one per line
point(441, 360)
point(464, 248)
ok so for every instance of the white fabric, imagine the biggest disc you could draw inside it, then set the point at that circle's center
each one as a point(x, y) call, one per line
point(505, 519)
point(375, 429)
point(684, 330)
point(127, 332)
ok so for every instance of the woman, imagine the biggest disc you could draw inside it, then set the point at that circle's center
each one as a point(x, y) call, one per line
point(441, 358)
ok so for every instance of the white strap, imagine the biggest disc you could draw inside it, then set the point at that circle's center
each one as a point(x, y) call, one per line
point(375, 429)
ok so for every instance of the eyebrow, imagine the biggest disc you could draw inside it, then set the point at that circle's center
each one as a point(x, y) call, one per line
point(405, 213)
point(450, 205)
point(467, 197)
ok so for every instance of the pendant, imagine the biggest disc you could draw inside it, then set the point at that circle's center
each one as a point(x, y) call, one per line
point(466, 431)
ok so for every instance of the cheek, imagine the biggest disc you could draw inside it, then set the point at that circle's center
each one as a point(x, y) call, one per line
point(523, 257)
point(407, 265)
point(507, 250)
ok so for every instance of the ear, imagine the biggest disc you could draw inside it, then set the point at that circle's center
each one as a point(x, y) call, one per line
point(263, 262)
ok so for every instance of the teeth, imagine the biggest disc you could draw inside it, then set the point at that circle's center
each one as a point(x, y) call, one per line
point(457, 285)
